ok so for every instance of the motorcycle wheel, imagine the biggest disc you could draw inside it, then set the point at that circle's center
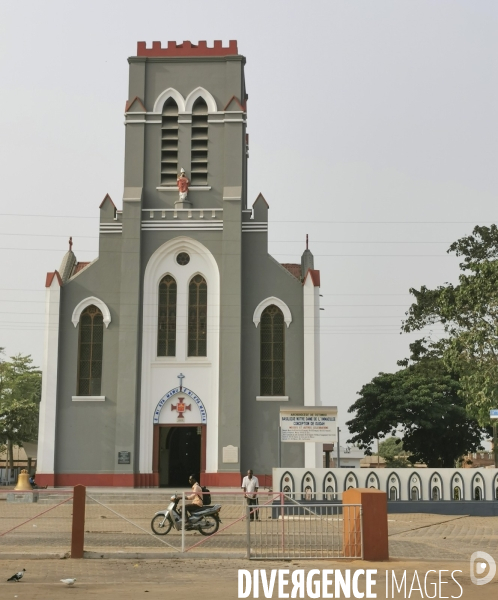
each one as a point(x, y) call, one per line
point(160, 525)
point(209, 526)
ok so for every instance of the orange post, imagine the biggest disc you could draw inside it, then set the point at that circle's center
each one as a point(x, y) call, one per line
point(78, 530)
point(372, 533)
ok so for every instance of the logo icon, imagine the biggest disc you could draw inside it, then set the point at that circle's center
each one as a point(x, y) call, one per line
point(478, 563)
point(181, 407)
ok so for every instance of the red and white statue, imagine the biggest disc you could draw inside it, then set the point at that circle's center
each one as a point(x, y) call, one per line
point(182, 183)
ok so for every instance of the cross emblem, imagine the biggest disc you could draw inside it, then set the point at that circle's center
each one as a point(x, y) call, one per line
point(181, 407)
point(181, 377)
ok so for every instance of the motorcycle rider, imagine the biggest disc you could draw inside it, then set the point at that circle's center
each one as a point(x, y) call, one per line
point(196, 503)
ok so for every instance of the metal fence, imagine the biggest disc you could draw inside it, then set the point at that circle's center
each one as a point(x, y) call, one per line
point(38, 522)
point(297, 531)
point(120, 523)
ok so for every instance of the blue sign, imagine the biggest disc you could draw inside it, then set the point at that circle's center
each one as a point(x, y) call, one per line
point(493, 413)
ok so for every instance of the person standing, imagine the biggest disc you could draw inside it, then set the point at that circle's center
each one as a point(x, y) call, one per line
point(250, 485)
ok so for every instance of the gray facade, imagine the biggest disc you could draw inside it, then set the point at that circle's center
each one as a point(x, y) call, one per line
point(88, 439)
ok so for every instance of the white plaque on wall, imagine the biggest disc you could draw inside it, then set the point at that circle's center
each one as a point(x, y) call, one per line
point(309, 424)
point(230, 454)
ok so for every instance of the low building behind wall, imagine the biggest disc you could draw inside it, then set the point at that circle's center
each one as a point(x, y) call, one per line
point(401, 485)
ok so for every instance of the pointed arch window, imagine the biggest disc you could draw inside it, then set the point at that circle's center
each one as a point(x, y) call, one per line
point(199, 148)
point(166, 322)
point(169, 143)
point(197, 316)
point(91, 342)
point(272, 352)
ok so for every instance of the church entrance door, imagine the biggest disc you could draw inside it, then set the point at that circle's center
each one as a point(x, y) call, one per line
point(180, 453)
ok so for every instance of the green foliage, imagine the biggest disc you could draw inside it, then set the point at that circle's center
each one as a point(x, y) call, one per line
point(20, 394)
point(468, 313)
point(391, 450)
point(423, 401)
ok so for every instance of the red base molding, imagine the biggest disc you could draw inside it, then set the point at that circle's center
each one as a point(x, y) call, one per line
point(136, 480)
point(87, 479)
point(221, 479)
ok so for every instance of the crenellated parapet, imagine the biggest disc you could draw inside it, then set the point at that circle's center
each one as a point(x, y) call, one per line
point(186, 48)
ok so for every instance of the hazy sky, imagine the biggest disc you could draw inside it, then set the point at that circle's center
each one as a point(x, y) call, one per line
point(372, 127)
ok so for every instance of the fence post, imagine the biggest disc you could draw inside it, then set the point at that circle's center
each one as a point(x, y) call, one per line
point(365, 528)
point(248, 530)
point(78, 530)
point(184, 521)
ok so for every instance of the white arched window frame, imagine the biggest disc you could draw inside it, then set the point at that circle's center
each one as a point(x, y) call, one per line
point(169, 93)
point(200, 92)
point(185, 105)
point(104, 309)
point(268, 302)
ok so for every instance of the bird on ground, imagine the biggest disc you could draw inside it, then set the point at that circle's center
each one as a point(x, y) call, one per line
point(68, 581)
point(17, 576)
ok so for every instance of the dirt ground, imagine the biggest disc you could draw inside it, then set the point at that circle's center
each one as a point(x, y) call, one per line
point(182, 579)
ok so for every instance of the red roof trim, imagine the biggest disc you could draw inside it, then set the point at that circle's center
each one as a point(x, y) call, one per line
point(237, 101)
point(107, 197)
point(188, 49)
point(129, 104)
point(260, 195)
point(50, 278)
point(79, 267)
point(315, 277)
point(293, 268)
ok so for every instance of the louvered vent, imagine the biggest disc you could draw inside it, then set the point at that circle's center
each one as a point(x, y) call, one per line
point(169, 143)
point(199, 156)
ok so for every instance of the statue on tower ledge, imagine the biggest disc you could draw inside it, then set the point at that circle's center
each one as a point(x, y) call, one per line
point(182, 182)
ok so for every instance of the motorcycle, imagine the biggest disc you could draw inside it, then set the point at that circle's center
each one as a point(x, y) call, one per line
point(206, 521)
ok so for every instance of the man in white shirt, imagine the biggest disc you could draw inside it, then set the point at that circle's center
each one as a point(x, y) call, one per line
point(250, 485)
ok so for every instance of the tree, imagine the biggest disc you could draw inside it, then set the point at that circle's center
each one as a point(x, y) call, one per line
point(20, 394)
point(423, 400)
point(391, 450)
point(468, 313)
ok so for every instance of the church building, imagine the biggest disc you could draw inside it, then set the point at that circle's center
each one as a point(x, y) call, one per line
point(174, 350)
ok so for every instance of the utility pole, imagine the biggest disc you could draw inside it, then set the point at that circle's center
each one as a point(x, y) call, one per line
point(493, 415)
point(338, 448)
point(495, 445)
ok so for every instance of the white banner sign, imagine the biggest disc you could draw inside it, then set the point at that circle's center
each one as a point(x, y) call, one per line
point(309, 425)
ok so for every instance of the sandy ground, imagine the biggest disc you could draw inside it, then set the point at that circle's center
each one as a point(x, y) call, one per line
point(207, 578)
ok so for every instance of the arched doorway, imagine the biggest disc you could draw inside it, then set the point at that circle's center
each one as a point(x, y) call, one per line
point(179, 444)
point(180, 451)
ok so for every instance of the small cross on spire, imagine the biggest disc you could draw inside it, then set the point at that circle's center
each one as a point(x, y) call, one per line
point(306, 241)
point(70, 244)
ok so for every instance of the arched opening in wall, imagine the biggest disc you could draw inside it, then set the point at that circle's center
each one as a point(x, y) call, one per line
point(414, 494)
point(496, 493)
point(329, 486)
point(457, 493)
point(329, 493)
point(91, 344)
point(393, 493)
point(166, 322)
point(197, 316)
point(477, 493)
point(199, 148)
point(308, 487)
point(373, 482)
point(169, 143)
point(272, 352)
point(436, 494)
point(287, 484)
